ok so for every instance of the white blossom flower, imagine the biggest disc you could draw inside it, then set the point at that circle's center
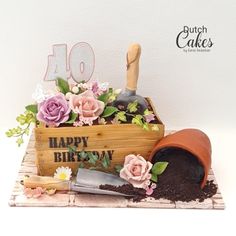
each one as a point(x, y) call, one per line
point(39, 95)
point(63, 173)
point(103, 86)
point(75, 89)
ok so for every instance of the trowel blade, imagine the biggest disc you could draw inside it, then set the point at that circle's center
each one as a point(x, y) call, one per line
point(88, 181)
point(94, 178)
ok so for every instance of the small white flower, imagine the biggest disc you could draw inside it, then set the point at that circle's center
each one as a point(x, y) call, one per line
point(75, 89)
point(39, 95)
point(101, 121)
point(68, 95)
point(83, 85)
point(63, 173)
point(103, 86)
point(117, 91)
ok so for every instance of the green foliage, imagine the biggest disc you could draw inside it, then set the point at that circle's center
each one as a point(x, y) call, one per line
point(154, 178)
point(108, 97)
point(121, 116)
point(138, 120)
point(24, 120)
point(83, 155)
point(106, 162)
point(109, 110)
point(92, 158)
point(72, 149)
point(81, 165)
point(157, 169)
point(73, 117)
point(33, 108)
point(104, 97)
point(133, 106)
point(63, 85)
point(118, 168)
point(147, 112)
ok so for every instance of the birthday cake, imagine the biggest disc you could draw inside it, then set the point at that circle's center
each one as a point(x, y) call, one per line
point(92, 138)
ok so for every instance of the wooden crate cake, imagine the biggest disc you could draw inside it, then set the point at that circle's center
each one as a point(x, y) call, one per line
point(114, 140)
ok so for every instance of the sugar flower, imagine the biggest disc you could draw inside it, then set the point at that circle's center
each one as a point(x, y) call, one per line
point(136, 171)
point(54, 110)
point(33, 193)
point(39, 95)
point(87, 106)
point(63, 173)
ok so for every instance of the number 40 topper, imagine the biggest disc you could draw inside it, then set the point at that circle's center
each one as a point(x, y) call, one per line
point(81, 62)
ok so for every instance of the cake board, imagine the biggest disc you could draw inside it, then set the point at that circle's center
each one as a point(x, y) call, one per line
point(74, 199)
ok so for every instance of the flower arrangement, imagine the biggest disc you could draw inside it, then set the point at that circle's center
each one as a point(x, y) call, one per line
point(80, 104)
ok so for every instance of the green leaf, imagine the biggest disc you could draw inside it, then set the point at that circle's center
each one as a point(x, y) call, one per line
point(9, 133)
point(154, 178)
point(83, 155)
point(133, 106)
point(145, 126)
point(27, 130)
point(118, 168)
point(104, 97)
point(73, 117)
point(159, 167)
point(63, 85)
point(121, 116)
point(19, 141)
point(81, 165)
point(109, 110)
point(33, 108)
point(106, 161)
point(138, 120)
point(21, 119)
point(72, 149)
point(147, 112)
point(92, 158)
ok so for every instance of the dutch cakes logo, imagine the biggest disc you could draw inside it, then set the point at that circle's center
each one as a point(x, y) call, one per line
point(194, 39)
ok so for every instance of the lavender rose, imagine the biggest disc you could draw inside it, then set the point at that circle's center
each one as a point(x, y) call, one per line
point(136, 171)
point(54, 110)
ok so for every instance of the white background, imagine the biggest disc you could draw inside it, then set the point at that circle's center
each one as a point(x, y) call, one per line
point(188, 89)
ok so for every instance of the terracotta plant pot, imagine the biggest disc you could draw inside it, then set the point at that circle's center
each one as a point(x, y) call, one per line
point(193, 141)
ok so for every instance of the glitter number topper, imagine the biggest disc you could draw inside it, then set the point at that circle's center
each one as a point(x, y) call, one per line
point(80, 64)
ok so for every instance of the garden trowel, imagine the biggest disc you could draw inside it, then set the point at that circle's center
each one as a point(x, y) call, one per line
point(86, 181)
point(129, 95)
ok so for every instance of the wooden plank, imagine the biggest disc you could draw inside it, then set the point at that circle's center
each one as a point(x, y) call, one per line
point(104, 144)
point(57, 200)
point(89, 200)
point(206, 204)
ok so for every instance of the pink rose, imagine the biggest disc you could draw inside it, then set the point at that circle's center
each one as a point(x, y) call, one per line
point(136, 171)
point(87, 106)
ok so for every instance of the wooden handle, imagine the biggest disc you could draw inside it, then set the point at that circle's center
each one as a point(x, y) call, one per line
point(35, 181)
point(133, 56)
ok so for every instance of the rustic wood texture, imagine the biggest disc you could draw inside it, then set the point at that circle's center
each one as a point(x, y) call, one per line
point(73, 199)
point(118, 139)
